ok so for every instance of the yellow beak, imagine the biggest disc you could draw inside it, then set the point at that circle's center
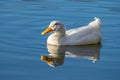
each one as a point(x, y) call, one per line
point(49, 29)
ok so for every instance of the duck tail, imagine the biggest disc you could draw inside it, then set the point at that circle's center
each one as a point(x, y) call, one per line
point(97, 20)
point(96, 23)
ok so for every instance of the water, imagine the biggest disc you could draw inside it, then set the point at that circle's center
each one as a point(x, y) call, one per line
point(22, 45)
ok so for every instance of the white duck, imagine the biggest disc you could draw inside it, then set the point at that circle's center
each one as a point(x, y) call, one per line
point(89, 34)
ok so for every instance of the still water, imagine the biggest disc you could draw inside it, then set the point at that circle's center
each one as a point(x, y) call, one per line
point(22, 45)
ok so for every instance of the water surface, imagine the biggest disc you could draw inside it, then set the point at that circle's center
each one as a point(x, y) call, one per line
point(22, 45)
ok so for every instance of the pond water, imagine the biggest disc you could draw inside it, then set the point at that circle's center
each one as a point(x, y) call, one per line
point(22, 45)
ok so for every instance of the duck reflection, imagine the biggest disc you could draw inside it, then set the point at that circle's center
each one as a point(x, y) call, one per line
point(58, 53)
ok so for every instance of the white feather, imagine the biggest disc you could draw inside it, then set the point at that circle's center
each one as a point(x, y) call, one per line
point(89, 34)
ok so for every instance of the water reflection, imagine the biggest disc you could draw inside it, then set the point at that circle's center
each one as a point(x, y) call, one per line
point(56, 56)
point(58, 53)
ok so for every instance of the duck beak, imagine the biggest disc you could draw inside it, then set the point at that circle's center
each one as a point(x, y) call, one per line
point(49, 29)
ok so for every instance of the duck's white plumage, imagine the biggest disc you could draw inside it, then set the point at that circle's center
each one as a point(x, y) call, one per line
point(89, 34)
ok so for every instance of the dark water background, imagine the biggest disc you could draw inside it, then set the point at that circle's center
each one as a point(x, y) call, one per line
point(21, 42)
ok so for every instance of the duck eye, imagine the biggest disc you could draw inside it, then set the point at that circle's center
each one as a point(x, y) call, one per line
point(56, 23)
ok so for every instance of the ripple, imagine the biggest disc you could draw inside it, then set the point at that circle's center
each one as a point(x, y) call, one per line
point(35, 0)
point(82, 0)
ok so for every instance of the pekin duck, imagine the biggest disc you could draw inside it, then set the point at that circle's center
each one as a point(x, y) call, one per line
point(84, 35)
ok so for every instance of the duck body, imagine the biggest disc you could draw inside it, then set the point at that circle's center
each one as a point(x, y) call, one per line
point(89, 34)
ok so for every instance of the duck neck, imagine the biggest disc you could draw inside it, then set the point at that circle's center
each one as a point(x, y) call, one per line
point(60, 33)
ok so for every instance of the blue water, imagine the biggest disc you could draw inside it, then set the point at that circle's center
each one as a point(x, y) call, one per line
point(22, 45)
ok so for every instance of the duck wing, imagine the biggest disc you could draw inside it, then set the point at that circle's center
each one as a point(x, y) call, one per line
point(85, 35)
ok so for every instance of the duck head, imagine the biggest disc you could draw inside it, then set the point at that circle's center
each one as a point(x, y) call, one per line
point(56, 26)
